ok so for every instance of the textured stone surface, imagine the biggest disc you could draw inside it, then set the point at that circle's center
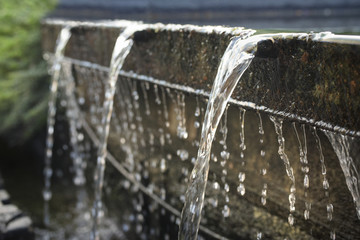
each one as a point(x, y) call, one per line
point(300, 77)
point(316, 80)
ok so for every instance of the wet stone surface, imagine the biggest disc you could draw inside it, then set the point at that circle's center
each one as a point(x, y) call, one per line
point(145, 140)
point(316, 80)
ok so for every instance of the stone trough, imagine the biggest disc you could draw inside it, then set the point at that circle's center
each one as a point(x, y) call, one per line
point(312, 82)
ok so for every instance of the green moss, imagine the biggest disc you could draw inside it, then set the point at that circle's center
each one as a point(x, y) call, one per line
point(23, 74)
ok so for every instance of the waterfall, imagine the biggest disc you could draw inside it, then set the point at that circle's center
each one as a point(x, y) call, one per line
point(234, 62)
point(146, 147)
point(121, 50)
point(349, 165)
point(61, 43)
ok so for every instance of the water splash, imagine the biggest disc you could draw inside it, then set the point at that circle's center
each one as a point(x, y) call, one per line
point(235, 61)
point(342, 147)
point(289, 170)
point(121, 50)
point(61, 43)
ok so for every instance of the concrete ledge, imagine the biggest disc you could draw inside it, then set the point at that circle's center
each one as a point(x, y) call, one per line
point(293, 78)
point(313, 81)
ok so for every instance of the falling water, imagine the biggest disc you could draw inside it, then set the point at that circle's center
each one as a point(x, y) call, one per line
point(225, 155)
point(61, 43)
point(121, 50)
point(75, 122)
point(326, 186)
point(342, 148)
point(263, 171)
point(235, 61)
point(304, 168)
point(289, 170)
point(242, 174)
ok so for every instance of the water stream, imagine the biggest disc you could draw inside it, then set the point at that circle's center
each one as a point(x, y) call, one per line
point(349, 164)
point(131, 127)
point(121, 50)
point(234, 62)
point(61, 43)
point(289, 170)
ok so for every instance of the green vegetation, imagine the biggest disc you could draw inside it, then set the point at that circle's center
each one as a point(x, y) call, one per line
point(23, 74)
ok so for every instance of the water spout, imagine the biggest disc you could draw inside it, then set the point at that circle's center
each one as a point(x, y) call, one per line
point(121, 50)
point(349, 164)
point(61, 43)
point(235, 61)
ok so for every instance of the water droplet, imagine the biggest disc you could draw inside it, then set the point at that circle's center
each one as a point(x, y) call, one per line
point(216, 185)
point(325, 184)
point(292, 188)
point(306, 214)
point(197, 111)
point(192, 208)
point(163, 194)
point(79, 180)
point(47, 195)
point(241, 176)
point(163, 165)
point(182, 133)
point(264, 192)
point(306, 181)
point(226, 187)
point(292, 200)
point(223, 163)
point(329, 209)
point(323, 169)
point(291, 219)
point(226, 211)
point(305, 169)
point(48, 172)
point(333, 235)
point(262, 153)
point(183, 154)
point(213, 202)
point(196, 124)
point(225, 155)
point(81, 101)
point(241, 189)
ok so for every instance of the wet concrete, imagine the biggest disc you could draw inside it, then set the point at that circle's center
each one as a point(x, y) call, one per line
point(315, 80)
point(299, 77)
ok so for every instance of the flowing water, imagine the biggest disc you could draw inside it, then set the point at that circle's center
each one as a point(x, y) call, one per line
point(349, 164)
point(61, 43)
point(121, 50)
point(234, 62)
point(289, 170)
point(139, 142)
